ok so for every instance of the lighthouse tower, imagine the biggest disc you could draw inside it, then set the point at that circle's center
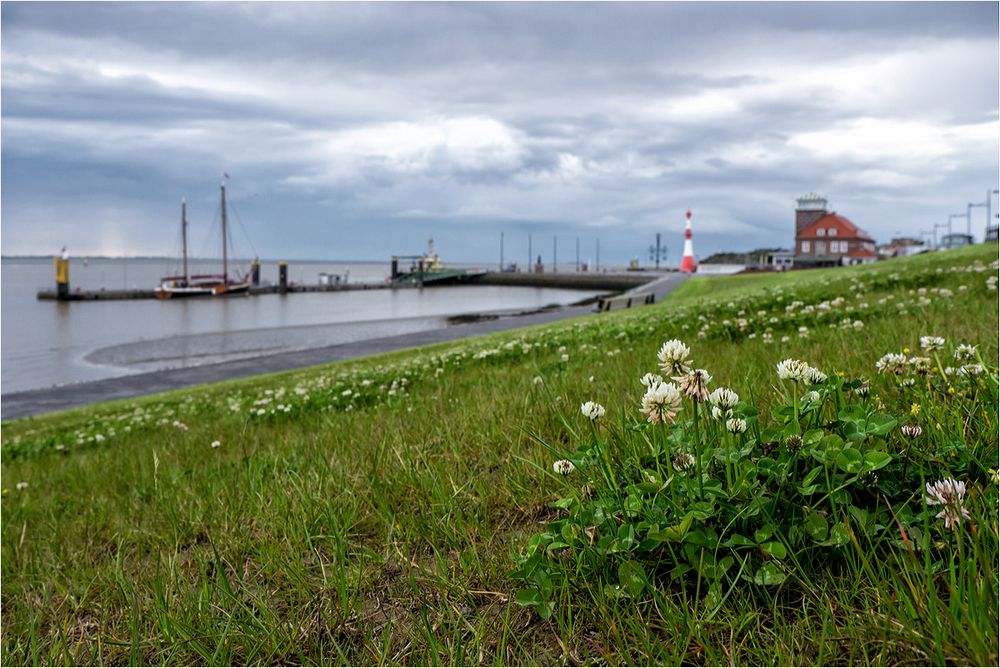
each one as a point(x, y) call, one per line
point(688, 264)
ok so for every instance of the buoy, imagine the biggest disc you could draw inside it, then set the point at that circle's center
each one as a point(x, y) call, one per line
point(688, 263)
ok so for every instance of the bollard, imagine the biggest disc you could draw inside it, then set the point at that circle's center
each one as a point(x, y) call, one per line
point(255, 273)
point(282, 277)
point(420, 272)
point(395, 267)
point(62, 277)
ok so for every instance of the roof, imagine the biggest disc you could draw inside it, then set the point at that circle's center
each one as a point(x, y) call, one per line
point(859, 252)
point(845, 229)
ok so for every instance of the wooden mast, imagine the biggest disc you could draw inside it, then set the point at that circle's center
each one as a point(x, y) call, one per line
point(225, 257)
point(184, 240)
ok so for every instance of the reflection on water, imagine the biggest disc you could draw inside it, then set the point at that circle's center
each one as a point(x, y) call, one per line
point(51, 343)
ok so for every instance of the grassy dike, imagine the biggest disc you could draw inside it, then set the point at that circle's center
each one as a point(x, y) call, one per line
point(374, 511)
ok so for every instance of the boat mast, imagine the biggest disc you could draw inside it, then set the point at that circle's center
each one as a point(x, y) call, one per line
point(225, 256)
point(184, 240)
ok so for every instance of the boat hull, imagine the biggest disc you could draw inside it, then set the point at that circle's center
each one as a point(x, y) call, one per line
point(168, 291)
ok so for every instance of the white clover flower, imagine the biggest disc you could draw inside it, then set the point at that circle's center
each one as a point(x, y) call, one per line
point(803, 331)
point(565, 357)
point(931, 343)
point(723, 398)
point(592, 410)
point(216, 444)
point(949, 493)
point(811, 397)
point(695, 384)
point(892, 363)
point(537, 380)
point(661, 403)
point(794, 370)
point(683, 461)
point(673, 358)
point(21, 485)
point(815, 376)
point(972, 370)
point(736, 425)
point(911, 430)
point(563, 467)
point(964, 351)
point(720, 413)
point(651, 379)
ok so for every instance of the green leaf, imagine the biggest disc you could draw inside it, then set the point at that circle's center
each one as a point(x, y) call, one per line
point(562, 503)
point(774, 548)
point(528, 597)
point(850, 460)
point(812, 437)
point(769, 574)
point(672, 534)
point(763, 533)
point(839, 535)
point(739, 540)
point(817, 527)
point(881, 424)
point(632, 578)
point(874, 460)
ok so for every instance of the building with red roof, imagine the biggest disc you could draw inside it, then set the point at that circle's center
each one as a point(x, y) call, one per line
point(826, 239)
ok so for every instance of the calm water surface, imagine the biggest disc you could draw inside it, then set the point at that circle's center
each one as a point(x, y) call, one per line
point(50, 343)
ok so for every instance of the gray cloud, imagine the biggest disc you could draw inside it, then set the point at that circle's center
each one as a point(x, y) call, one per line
point(350, 128)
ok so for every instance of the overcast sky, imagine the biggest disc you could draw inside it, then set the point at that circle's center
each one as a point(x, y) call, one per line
point(359, 130)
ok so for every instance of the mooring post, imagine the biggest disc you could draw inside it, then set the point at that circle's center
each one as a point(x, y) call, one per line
point(420, 272)
point(282, 277)
point(255, 272)
point(395, 267)
point(62, 275)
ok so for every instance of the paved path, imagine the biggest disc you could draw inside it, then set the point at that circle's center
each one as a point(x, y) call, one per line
point(34, 402)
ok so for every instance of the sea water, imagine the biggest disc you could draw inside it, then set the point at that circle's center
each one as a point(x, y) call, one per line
point(46, 343)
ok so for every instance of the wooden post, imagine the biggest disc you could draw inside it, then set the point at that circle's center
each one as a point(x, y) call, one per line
point(282, 277)
point(255, 272)
point(395, 267)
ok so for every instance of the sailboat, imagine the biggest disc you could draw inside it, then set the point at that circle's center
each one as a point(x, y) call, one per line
point(203, 285)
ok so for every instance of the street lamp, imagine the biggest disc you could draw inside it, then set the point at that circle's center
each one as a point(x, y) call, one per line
point(936, 226)
point(953, 216)
point(968, 214)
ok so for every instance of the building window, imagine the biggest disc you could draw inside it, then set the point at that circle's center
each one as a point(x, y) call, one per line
point(832, 232)
point(820, 232)
point(805, 246)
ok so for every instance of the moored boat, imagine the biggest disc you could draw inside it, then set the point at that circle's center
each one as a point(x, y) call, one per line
point(203, 285)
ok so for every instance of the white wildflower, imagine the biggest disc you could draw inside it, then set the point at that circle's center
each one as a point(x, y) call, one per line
point(736, 425)
point(673, 358)
point(661, 402)
point(949, 493)
point(695, 384)
point(592, 410)
point(563, 467)
point(216, 444)
point(794, 370)
point(815, 376)
point(723, 398)
point(931, 343)
point(964, 351)
point(651, 379)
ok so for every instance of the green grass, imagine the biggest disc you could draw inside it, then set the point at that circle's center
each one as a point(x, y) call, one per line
point(383, 526)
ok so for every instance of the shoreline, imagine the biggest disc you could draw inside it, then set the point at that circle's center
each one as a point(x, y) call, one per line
point(27, 403)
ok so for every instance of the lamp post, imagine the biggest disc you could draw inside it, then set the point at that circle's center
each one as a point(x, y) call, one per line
point(968, 214)
point(953, 216)
point(936, 226)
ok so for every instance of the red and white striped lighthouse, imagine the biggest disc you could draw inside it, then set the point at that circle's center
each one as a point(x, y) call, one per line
point(688, 264)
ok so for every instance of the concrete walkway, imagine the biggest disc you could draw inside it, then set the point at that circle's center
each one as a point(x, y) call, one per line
point(35, 402)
